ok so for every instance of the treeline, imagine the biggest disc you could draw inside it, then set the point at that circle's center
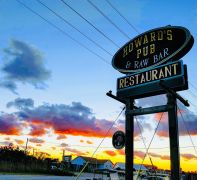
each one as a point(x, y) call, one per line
point(14, 160)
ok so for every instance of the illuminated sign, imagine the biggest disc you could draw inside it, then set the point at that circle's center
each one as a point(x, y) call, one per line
point(146, 83)
point(153, 48)
point(118, 140)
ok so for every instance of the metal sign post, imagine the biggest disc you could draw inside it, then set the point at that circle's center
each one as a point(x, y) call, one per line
point(129, 145)
point(174, 137)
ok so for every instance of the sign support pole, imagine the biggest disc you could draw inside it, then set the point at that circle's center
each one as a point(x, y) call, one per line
point(129, 139)
point(174, 137)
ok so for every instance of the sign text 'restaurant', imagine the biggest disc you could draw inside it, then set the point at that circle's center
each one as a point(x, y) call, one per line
point(161, 72)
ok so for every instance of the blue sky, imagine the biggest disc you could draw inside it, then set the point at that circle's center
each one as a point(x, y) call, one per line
point(62, 71)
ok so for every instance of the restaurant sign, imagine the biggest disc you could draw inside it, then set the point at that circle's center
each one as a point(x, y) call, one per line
point(153, 48)
point(146, 83)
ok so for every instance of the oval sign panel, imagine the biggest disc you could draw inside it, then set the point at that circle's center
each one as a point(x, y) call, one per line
point(118, 140)
point(153, 48)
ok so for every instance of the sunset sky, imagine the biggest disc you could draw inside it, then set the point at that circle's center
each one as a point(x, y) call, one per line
point(55, 70)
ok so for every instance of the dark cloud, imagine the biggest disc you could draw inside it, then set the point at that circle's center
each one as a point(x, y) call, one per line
point(9, 125)
point(10, 85)
point(75, 119)
point(21, 103)
point(24, 64)
point(187, 122)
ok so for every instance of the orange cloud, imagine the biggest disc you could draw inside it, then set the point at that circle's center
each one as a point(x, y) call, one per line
point(188, 157)
point(76, 151)
point(36, 140)
point(39, 145)
point(18, 141)
point(9, 125)
point(89, 142)
point(53, 148)
point(110, 153)
point(61, 136)
point(139, 154)
point(7, 138)
point(121, 152)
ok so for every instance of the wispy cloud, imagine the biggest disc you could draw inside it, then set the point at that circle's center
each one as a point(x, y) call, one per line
point(25, 64)
point(188, 157)
point(8, 84)
point(76, 151)
point(61, 136)
point(36, 140)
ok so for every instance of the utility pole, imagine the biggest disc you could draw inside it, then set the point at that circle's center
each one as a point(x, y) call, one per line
point(63, 154)
point(129, 139)
point(174, 138)
point(26, 146)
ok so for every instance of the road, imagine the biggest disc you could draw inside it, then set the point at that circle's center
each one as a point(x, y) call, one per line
point(45, 177)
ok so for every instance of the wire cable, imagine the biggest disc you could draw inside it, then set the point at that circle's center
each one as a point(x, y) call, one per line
point(98, 30)
point(131, 25)
point(62, 31)
point(100, 143)
point(193, 85)
point(67, 22)
point(139, 126)
point(187, 130)
point(149, 145)
point(106, 17)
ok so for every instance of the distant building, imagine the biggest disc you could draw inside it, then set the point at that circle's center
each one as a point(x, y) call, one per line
point(78, 163)
point(104, 164)
point(93, 164)
point(136, 167)
point(67, 158)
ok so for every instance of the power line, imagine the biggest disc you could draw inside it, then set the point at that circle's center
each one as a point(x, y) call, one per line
point(104, 15)
point(150, 144)
point(67, 22)
point(139, 126)
point(194, 97)
point(62, 31)
point(193, 86)
point(98, 30)
point(131, 25)
point(100, 142)
point(187, 130)
point(192, 93)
